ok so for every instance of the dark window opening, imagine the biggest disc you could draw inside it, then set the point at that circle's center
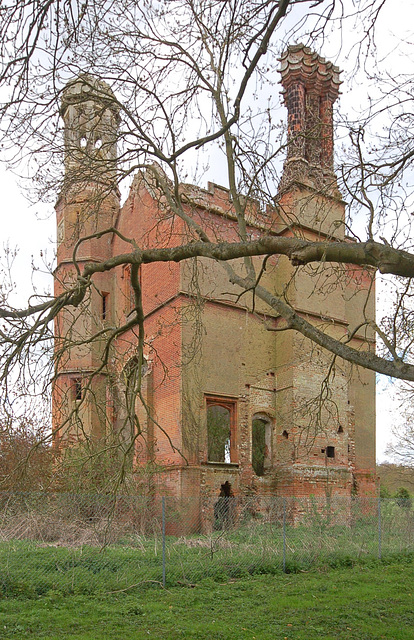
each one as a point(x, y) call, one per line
point(330, 452)
point(77, 227)
point(220, 430)
point(105, 306)
point(285, 435)
point(340, 429)
point(261, 443)
point(129, 293)
point(77, 389)
point(258, 445)
point(128, 290)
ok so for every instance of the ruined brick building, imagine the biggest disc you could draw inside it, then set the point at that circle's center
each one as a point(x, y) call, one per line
point(231, 399)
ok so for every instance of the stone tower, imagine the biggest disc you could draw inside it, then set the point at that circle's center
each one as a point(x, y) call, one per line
point(88, 204)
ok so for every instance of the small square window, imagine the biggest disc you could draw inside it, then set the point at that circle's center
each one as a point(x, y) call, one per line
point(330, 452)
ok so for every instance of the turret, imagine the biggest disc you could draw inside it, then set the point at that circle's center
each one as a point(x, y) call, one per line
point(88, 204)
point(91, 117)
point(89, 200)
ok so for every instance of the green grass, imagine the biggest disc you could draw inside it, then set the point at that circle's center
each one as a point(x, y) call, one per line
point(366, 602)
point(31, 569)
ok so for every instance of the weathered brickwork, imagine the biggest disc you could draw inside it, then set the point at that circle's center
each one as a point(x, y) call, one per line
point(311, 86)
point(207, 353)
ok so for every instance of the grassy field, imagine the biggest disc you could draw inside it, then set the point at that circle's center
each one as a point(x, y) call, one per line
point(63, 577)
point(366, 602)
point(30, 568)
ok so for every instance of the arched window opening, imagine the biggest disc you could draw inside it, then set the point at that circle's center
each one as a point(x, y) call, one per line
point(285, 435)
point(261, 444)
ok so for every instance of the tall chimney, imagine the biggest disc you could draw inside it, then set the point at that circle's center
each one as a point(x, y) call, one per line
point(310, 88)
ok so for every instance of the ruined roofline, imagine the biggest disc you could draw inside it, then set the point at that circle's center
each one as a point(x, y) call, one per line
point(269, 221)
point(214, 199)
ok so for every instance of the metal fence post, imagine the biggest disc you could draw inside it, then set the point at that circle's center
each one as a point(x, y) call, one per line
point(379, 530)
point(284, 535)
point(163, 541)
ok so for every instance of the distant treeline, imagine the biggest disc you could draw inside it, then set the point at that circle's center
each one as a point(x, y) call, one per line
point(394, 476)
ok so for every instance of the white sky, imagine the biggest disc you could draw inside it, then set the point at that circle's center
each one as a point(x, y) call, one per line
point(32, 228)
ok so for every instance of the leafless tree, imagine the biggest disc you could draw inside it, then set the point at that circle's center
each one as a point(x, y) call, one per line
point(192, 82)
point(401, 449)
point(25, 456)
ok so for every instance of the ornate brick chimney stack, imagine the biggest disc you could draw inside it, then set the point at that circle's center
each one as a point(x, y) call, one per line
point(310, 88)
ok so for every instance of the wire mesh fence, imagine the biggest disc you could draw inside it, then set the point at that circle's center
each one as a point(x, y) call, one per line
point(88, 543)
